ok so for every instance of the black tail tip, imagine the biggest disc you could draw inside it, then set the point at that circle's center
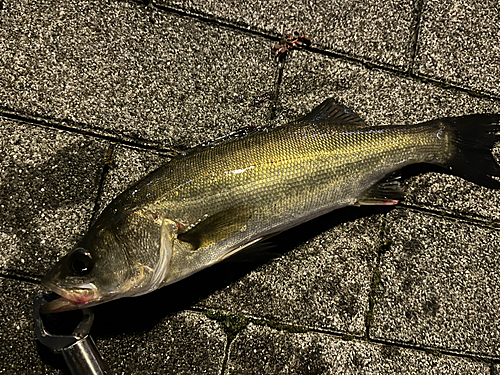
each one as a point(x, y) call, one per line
point(476, 136)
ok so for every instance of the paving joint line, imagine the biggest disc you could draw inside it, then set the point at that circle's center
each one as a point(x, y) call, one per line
point(146, 145)
point(108, 161)
point(225, 359)
point(249, 29)
point(225, 320)
point(20, 277)
point(419, 5)
point(208, 18)
point(491, 224)
point(440, 352)
point(347, 337)
point(276, 325)
point(406, 73)
point(276, 92)
point(56, 124)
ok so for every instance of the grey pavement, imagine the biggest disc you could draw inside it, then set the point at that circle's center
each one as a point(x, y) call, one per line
point(94, 95)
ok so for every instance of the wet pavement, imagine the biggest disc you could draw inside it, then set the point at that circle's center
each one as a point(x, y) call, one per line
point(94, 95)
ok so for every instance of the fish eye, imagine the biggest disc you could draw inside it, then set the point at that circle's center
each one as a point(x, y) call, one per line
point(81, 262)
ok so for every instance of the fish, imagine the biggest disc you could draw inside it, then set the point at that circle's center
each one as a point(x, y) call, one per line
point(215, 201)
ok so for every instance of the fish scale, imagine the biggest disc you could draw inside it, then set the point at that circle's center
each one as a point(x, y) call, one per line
point(284, 177)
point(322, 158)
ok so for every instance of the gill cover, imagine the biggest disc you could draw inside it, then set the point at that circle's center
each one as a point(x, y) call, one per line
point(159, 271)
point(147, 239)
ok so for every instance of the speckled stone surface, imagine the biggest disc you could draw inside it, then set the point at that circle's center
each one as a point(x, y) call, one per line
point(262, 350)
point(48, 191)
point(458, 43)
point(186, 343)
point(378, 96)
point(454, 196)
point(439, 285)
point(131, 72)
point(323, 283)
point(380, 31)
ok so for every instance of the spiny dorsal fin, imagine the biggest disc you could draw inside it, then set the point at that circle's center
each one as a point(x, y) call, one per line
point(217, 227)
point(385, 192)
point(334, 111)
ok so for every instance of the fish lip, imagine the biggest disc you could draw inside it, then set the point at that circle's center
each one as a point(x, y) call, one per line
point(60, 304)
point(76, 297)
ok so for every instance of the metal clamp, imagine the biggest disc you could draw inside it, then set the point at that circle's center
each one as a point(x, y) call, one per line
point(78, 349)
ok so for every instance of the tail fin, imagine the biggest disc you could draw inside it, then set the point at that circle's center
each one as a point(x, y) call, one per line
point(476, 136)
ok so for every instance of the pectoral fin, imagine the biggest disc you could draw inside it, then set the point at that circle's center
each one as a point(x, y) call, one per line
point(255, 251)
point(385, 192)
point(217, 227)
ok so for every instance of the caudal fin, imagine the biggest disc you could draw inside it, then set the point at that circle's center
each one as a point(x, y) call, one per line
point(476, 136)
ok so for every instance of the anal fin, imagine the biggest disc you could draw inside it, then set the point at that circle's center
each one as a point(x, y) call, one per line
point(385, 192)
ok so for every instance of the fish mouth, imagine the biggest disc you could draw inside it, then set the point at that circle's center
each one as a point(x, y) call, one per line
point(76, 297)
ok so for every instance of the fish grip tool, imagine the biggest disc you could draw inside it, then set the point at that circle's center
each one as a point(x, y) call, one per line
point(78, 348)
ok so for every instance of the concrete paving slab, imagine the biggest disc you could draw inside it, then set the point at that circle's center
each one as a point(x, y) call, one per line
point(262, 350)
point(128, 71)
point(378, 31)
point(383, 98)
point(185, 343)
point(458, 43)
point(324, 283)
point(48, 190)
point(18, 347)
point(440, 285)
point(452, 195)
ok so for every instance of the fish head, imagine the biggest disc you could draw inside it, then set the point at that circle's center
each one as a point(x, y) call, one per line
point(117, 258)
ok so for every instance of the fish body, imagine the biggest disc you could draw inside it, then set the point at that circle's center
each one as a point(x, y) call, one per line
point(203, 207)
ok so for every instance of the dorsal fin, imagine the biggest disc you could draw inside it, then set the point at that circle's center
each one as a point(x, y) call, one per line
point(331, 110)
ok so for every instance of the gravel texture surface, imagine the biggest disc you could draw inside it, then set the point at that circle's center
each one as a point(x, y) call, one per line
point(261, 350)
point(458, 43)
point(131, 72)
point(48, 190)
point(439, 284)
